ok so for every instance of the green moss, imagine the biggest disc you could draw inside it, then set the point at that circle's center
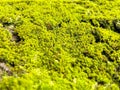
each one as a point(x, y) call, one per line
point(60, 44)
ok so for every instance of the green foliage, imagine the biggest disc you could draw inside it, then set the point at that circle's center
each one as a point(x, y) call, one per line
point(60, 44)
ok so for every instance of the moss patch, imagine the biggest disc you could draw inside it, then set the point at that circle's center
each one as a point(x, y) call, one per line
point(60, 44)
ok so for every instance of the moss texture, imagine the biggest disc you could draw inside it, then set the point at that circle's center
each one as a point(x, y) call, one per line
point(60, 45)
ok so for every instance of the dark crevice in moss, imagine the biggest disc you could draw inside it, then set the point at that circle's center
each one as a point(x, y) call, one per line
point(101, 83)
point(118, 69)
point(16, 37)
point(84, 20)
point(90, 77)
point(12, 64)
point(11, 28)
point(87, 54)
point(97, 36)
point(116, 24)
point(103, 23)
point(59, 25)
point(6, 24)
point(49, 26)
point(116, 79)
point(106, 24)
point(107, 55)
point(92, 22)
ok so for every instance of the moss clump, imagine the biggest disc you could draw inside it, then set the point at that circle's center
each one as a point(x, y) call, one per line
point(60, 44)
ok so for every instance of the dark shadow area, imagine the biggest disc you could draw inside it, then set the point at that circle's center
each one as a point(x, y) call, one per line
point(16, 37)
